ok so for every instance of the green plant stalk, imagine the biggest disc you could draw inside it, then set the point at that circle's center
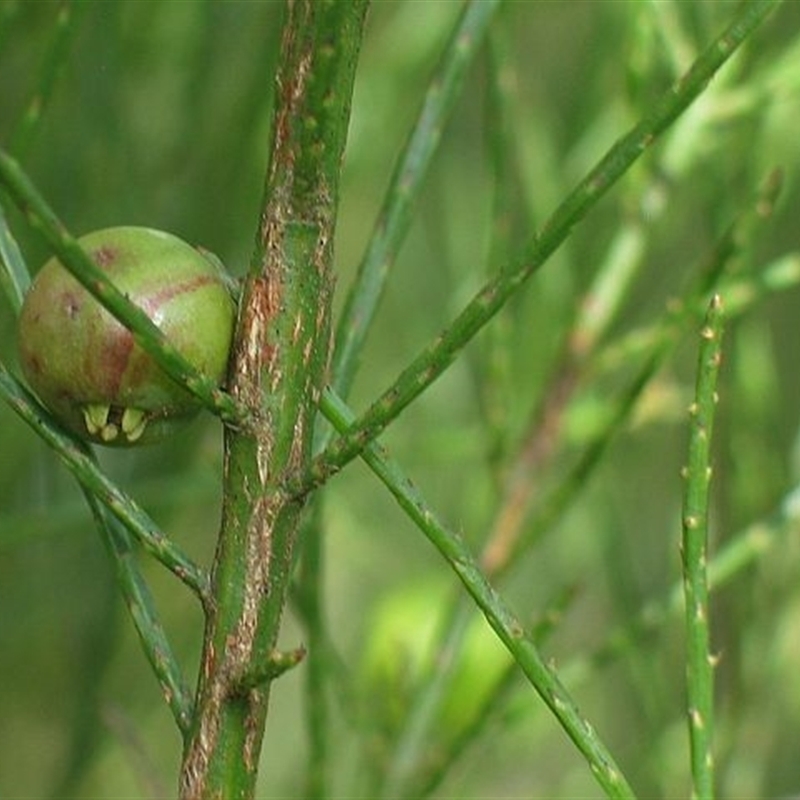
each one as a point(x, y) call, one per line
point(499, 555)
point(77, 459)
point(731, 560)
point(405, 187)
point(139, 601)
point(279, 359)
point(308, 597)
point(438, 355)
point(98, 489)
point(505, 624)
point(492, 370)
point(145, 332)
point(737, 555)
point(45, 524)
point(694, 556)
point(14, 275)
point(599, 307)
point(412, 772)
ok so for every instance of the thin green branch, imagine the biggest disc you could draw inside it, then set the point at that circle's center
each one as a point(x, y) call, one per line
point(736, 556)
point(145, 332)
point(83, 467)
point(502, 551)
point(55, 56)
point(272, 666)
point(491, 378)
point(739, 554)
point(694, 552)
point(308, 598)
point(438, 355)
point(499, 615)
point(492, 370)
point(145, 619)
point(405, 186)
point(80, 461)
point(598, 308)
point(14, 275)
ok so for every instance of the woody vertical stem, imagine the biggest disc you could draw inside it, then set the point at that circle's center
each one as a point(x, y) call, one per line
point(277, 371)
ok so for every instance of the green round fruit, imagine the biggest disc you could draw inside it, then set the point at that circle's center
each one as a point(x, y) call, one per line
point(85, 366)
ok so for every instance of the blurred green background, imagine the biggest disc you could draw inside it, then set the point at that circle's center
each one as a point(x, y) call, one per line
point(159, 116)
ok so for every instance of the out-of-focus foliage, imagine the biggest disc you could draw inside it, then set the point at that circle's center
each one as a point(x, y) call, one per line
point(159, 115)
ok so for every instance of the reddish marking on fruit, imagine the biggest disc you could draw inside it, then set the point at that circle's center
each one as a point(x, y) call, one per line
point(166, 293)
point(105, 255)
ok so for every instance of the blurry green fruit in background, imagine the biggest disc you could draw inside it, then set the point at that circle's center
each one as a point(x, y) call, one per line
point(403, 630)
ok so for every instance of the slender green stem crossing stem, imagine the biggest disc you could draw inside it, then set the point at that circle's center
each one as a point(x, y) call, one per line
point(502, 619)
point(501, 552)
point(438, 355)
point(66, 22)
point(308, 598)
point(140, 604)
point(14, 275)
point(694, 552)
point(88, 474)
